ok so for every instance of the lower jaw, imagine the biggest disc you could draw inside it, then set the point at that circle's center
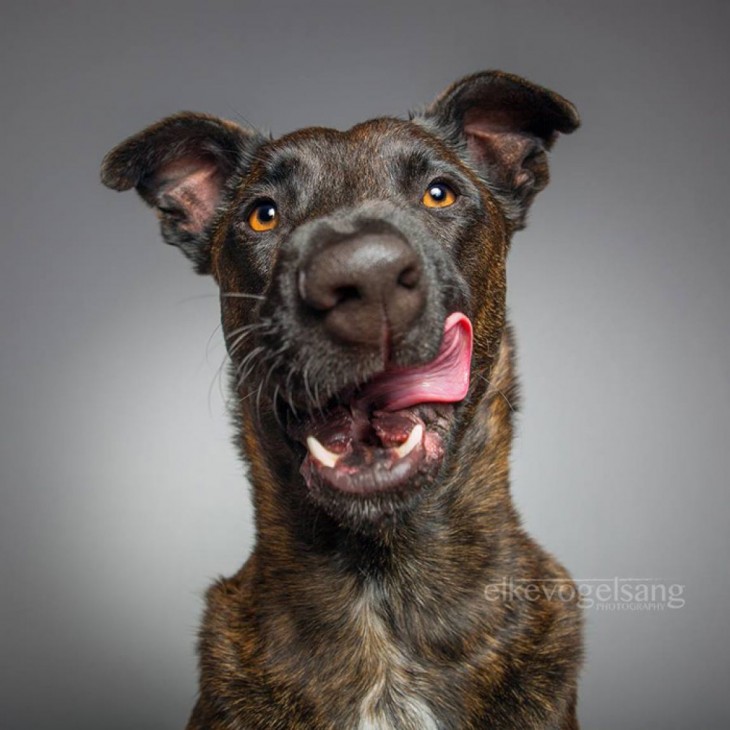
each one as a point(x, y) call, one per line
point(382, 475)
point(405, 456)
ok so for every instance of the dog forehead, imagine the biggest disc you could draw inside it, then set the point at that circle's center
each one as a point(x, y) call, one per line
point(379, 149)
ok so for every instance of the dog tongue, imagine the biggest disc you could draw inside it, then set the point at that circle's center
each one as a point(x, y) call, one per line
point(443, 380)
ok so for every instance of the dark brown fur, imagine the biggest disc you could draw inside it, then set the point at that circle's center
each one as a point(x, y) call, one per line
point(326, 622)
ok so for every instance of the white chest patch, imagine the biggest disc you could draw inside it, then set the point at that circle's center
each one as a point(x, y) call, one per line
point(390, 703)
point(413, 714)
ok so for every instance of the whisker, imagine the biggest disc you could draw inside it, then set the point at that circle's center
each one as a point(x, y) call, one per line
point(276, 410)
point(263, 328)
point(244, 363)
point(258, 400)
point(250, 327)
point(219, 370)
point(316, 398)
point(498, 391)
point(210, 339)
point(287, 388)
point(196, 297)
point(242, 295)
point(307, 390)
point(218, 379)
point(235, 346)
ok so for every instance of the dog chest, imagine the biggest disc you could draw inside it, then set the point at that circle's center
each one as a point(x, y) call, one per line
point(390, 702)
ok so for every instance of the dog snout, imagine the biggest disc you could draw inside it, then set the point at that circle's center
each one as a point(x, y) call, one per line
point(366, 288)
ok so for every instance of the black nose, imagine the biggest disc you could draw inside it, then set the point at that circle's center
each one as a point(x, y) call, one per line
point(367, 287)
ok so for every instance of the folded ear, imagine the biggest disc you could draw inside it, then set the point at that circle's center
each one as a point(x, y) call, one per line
point(180, 166)
point(508, 124)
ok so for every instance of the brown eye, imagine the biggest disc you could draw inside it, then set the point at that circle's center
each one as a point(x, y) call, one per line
point(438, 195)
point(264, 217)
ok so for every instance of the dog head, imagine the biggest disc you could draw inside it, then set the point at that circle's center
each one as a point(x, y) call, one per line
point(362, 279)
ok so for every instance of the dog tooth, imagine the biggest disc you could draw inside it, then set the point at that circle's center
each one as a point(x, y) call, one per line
point(320, 453)
point(411, 442)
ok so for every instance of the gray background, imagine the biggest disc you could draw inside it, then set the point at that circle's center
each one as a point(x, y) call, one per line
point(121, 494)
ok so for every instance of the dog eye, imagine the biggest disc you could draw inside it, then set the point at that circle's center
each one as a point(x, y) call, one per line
point(264, 217)
point(438, 195)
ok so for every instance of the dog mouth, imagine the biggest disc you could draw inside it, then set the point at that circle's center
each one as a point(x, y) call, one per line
point(385, 434)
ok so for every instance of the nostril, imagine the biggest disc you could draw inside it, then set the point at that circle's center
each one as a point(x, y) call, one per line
point(344, 293)
point(409, 277)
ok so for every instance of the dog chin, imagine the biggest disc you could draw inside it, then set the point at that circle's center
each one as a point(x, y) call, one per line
point(374, 466)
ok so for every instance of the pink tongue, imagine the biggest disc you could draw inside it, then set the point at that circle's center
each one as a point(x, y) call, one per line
point(443, 380)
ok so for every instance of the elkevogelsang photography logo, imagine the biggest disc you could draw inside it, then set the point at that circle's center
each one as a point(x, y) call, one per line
point(600, 594)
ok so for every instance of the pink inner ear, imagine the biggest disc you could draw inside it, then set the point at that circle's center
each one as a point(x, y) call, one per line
point(193, 187)
point(496, 138)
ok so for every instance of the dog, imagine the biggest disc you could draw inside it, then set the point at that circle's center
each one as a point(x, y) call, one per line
point(362, 292)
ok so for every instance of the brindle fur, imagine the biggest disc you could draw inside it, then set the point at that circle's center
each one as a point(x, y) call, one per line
point(328, 626)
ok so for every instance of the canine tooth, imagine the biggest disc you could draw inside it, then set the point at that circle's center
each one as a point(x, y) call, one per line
point(320, 453)
point(411, 442)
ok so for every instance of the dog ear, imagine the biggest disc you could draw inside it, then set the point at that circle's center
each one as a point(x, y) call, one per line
point(180, 166)
point(508, 124)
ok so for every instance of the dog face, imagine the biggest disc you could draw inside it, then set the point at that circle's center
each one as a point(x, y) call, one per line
point(362, 278)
